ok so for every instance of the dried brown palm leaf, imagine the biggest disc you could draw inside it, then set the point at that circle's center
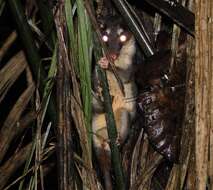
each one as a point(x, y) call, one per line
point(145, 176)
point(187, 144)
point(173, 179)
point(11, 165)
point(135, 158)
point(9, 130)
point(143, 164)
point(71, 106)
point(10, 72)
point(7, 44)
point(182, 175)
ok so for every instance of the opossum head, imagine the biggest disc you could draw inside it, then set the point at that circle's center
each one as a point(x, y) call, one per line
point(116, 36)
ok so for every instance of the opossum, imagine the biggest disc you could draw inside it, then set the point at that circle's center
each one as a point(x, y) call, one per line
point(121, 46)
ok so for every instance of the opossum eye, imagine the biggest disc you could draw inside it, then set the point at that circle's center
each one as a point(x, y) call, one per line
point(123, 38)
point(105, 38)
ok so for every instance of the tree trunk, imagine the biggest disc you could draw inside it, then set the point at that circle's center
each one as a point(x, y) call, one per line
point(203, 91)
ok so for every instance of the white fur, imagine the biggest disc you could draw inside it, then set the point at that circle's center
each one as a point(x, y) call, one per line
point(124, 63)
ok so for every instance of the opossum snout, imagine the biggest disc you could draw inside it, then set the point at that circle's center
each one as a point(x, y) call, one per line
point(113, 56)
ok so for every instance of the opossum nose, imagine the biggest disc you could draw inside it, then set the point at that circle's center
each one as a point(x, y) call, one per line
point(113, 56)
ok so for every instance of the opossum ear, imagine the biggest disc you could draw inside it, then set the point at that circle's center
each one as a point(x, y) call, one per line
point(102, 25)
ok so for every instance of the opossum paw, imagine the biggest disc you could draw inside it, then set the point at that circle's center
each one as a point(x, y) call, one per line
point(104, 63)
point(118, 141)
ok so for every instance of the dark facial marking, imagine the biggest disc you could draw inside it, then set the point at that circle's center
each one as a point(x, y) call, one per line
point(115, 35)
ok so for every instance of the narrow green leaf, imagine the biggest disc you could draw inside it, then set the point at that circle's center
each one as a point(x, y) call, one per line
point(112, 131)
point(84, 62)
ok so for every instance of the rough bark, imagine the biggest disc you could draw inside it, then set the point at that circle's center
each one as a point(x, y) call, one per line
point(203, 89)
